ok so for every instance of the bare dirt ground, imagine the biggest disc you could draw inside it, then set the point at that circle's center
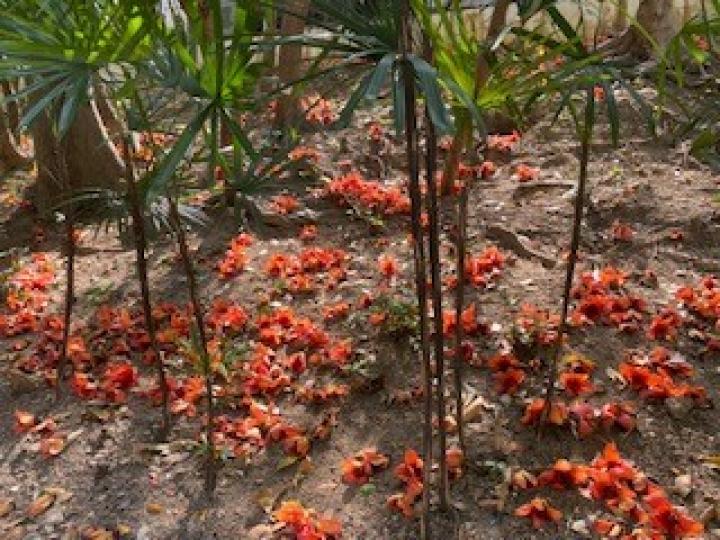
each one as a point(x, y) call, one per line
point(113, 476)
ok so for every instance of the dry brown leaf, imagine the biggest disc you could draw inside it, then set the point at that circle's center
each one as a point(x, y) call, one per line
point(474, 409)
point(154, 508)
point(683, 485)
point(92, 533)
point(40, 505)
point(52, 446)
point(16, 533)
point(61, 494)
point(6, 506)
point(450, 424)
point(522, 479)
point(264, 532)
point(614, 375)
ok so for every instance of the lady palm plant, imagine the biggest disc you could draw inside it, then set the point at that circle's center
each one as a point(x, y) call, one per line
point(64, 48)
point(59, 48)
point(578, 73)
point(689, 67)
point(375, 42)
point(513, 76)
point(362, 39)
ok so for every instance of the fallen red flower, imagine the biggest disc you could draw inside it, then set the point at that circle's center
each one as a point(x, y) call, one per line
point(564, 475)
point(576, 384)
point(525, 173)
point(358, 469)
point(509, 381)
point(557, 415)
point(539, 512)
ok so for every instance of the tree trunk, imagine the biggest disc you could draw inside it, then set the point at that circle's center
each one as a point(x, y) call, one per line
point(92, 160)
point(12, 108)
point(290, 62)
point(620, 21)
point(11, 155)
point(657, 20)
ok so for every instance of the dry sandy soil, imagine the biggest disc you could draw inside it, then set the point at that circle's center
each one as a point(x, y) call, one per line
point(116, 477)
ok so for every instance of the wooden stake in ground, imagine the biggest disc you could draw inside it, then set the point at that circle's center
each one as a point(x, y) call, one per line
point(438, 337)
point(419, 256)
point(142, 274)
point(586, 138)
point(70, 249)
point(461, 141)
point(198, 313)
point(459, 306)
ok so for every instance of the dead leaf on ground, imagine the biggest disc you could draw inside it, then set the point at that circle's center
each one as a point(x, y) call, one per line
point(61, 495)
point(40, 505)
point(615, 376)
point(154, 508)
point(6, 506)
point(16, 533)
point(52, 446)
point(265, 499)
point(264, 532)
point(713, 461)
point(474, 409)
point(92, 533)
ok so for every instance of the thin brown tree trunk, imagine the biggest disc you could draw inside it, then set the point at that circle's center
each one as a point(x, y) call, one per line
point(459, 306)
point(290, 62)
point(198, 313)
point(573, 254)
point(229, 192)
point(412, 152)
point(142, 274)
point(438, 336)
point(11, 155)
point(12, 107)
point(70, 248)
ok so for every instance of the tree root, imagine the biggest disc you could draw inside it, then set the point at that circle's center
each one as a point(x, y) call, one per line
point(511, 241)
point(526, 190)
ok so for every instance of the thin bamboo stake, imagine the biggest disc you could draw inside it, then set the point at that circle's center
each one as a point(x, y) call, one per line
point(586, 139)
point(419, 256)
point(142, 274)
point(438, 337)
point(70, 252)
point(459, 305)
point(198, 313)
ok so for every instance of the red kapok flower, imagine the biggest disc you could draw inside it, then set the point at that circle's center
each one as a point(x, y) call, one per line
point(539, 511)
